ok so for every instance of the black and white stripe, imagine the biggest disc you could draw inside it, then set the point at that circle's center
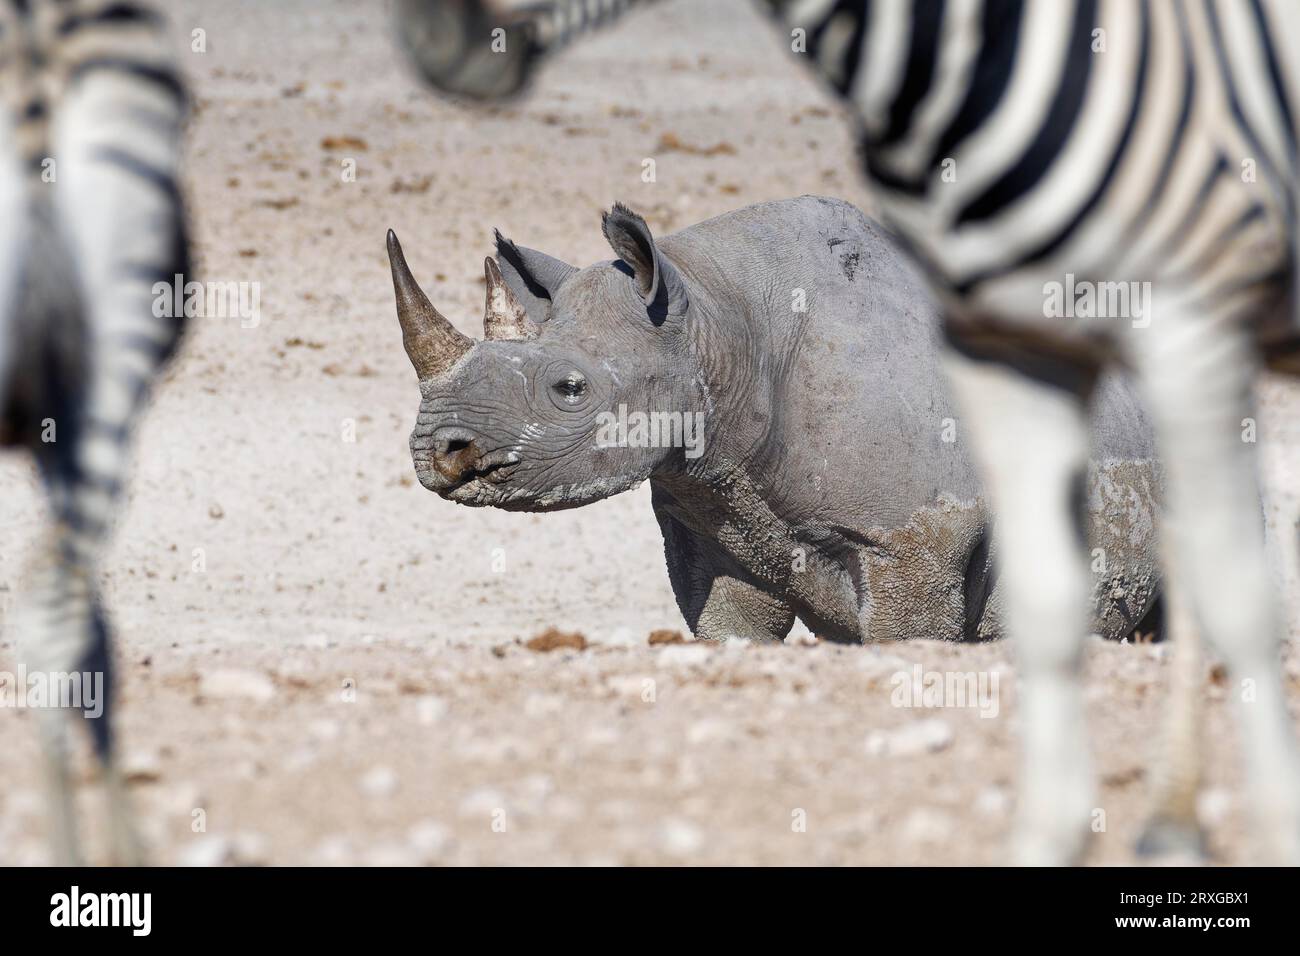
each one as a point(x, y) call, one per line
point(91, 124)
point(1015, 144)
point(1122, 163)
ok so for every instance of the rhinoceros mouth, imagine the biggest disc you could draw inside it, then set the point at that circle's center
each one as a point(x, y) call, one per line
point(480, 492)
point(485, 493)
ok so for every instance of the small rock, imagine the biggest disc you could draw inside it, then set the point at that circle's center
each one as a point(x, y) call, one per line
point(250, 849)
point(1213, 806)
point(293, 674)
point(215, 512)
point(324, 729)
point(379, 782)
point(553, 639)
point(482, 802)
point(142, 766)
point(300, 759)
point(709, 730)
point(929, 735)
point(666, 636)
point(622, 637)
point(211, 850)
point(537, 787)
point(430, 709)
point(879, 666)
point(924, 825)
point(247, 770)
point(332, 851)
point(429, 839)
point(993, 802)
point(181, 798)
point(684, 655)
point(629, 685)
point(345, 141)
point(543, 705)
point(390, 854)
point(602, 736)
point(235, 685)
point(679, 838)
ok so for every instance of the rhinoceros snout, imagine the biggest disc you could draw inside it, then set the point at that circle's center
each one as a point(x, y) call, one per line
point(456, 456)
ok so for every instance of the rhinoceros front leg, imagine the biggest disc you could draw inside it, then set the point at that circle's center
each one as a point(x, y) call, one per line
point(715, 596)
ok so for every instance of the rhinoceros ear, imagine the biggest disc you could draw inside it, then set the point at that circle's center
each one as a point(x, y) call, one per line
point(657, 279)
point(534, 277)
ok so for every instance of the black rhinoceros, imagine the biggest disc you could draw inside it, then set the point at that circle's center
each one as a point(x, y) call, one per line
point(775, 374)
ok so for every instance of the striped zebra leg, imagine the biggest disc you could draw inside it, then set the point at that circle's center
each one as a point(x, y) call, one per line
point(63, 632)
point(1197, 366)
point(473, 49)
point(1172, 829)
point(115, 135)
point(1044, 582)
point(462, 48)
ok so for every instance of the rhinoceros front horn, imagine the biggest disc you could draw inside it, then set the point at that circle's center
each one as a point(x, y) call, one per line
point(432, 343)
point(504, 317)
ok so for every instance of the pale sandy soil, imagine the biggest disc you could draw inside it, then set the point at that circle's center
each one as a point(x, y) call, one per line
point(381, 708)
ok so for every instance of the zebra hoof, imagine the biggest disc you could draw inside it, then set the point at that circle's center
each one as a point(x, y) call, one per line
point(1166, 840)
point(125, 845)
point(126, 848)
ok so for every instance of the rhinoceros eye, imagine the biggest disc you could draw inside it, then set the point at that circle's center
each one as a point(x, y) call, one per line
point(571, 387)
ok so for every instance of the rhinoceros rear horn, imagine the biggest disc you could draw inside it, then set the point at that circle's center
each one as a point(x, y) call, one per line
point(432, 343)
point(504, 317)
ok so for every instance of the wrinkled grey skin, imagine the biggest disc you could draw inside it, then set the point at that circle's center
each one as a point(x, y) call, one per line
point(825, 488)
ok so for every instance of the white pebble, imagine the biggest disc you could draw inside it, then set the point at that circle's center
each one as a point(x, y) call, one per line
point(678, 837)
point(482, 802)
point(229, 684)
point(430, 709)
point(332, 851)
point(684, 655)
point(924, 825)
point(993, 802)
point(390, 854)
point(209, 850)
point(142, 766)
point(929, 735)
point(709, 730)
point(428, 839)
point(1213, 806)
point(324, 729)
point(379, 782)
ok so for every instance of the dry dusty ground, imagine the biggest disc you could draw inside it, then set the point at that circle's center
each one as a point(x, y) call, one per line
point(343, 681)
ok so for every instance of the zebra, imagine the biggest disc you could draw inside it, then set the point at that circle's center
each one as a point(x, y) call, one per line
point(91, 218)
point(1020, 148)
